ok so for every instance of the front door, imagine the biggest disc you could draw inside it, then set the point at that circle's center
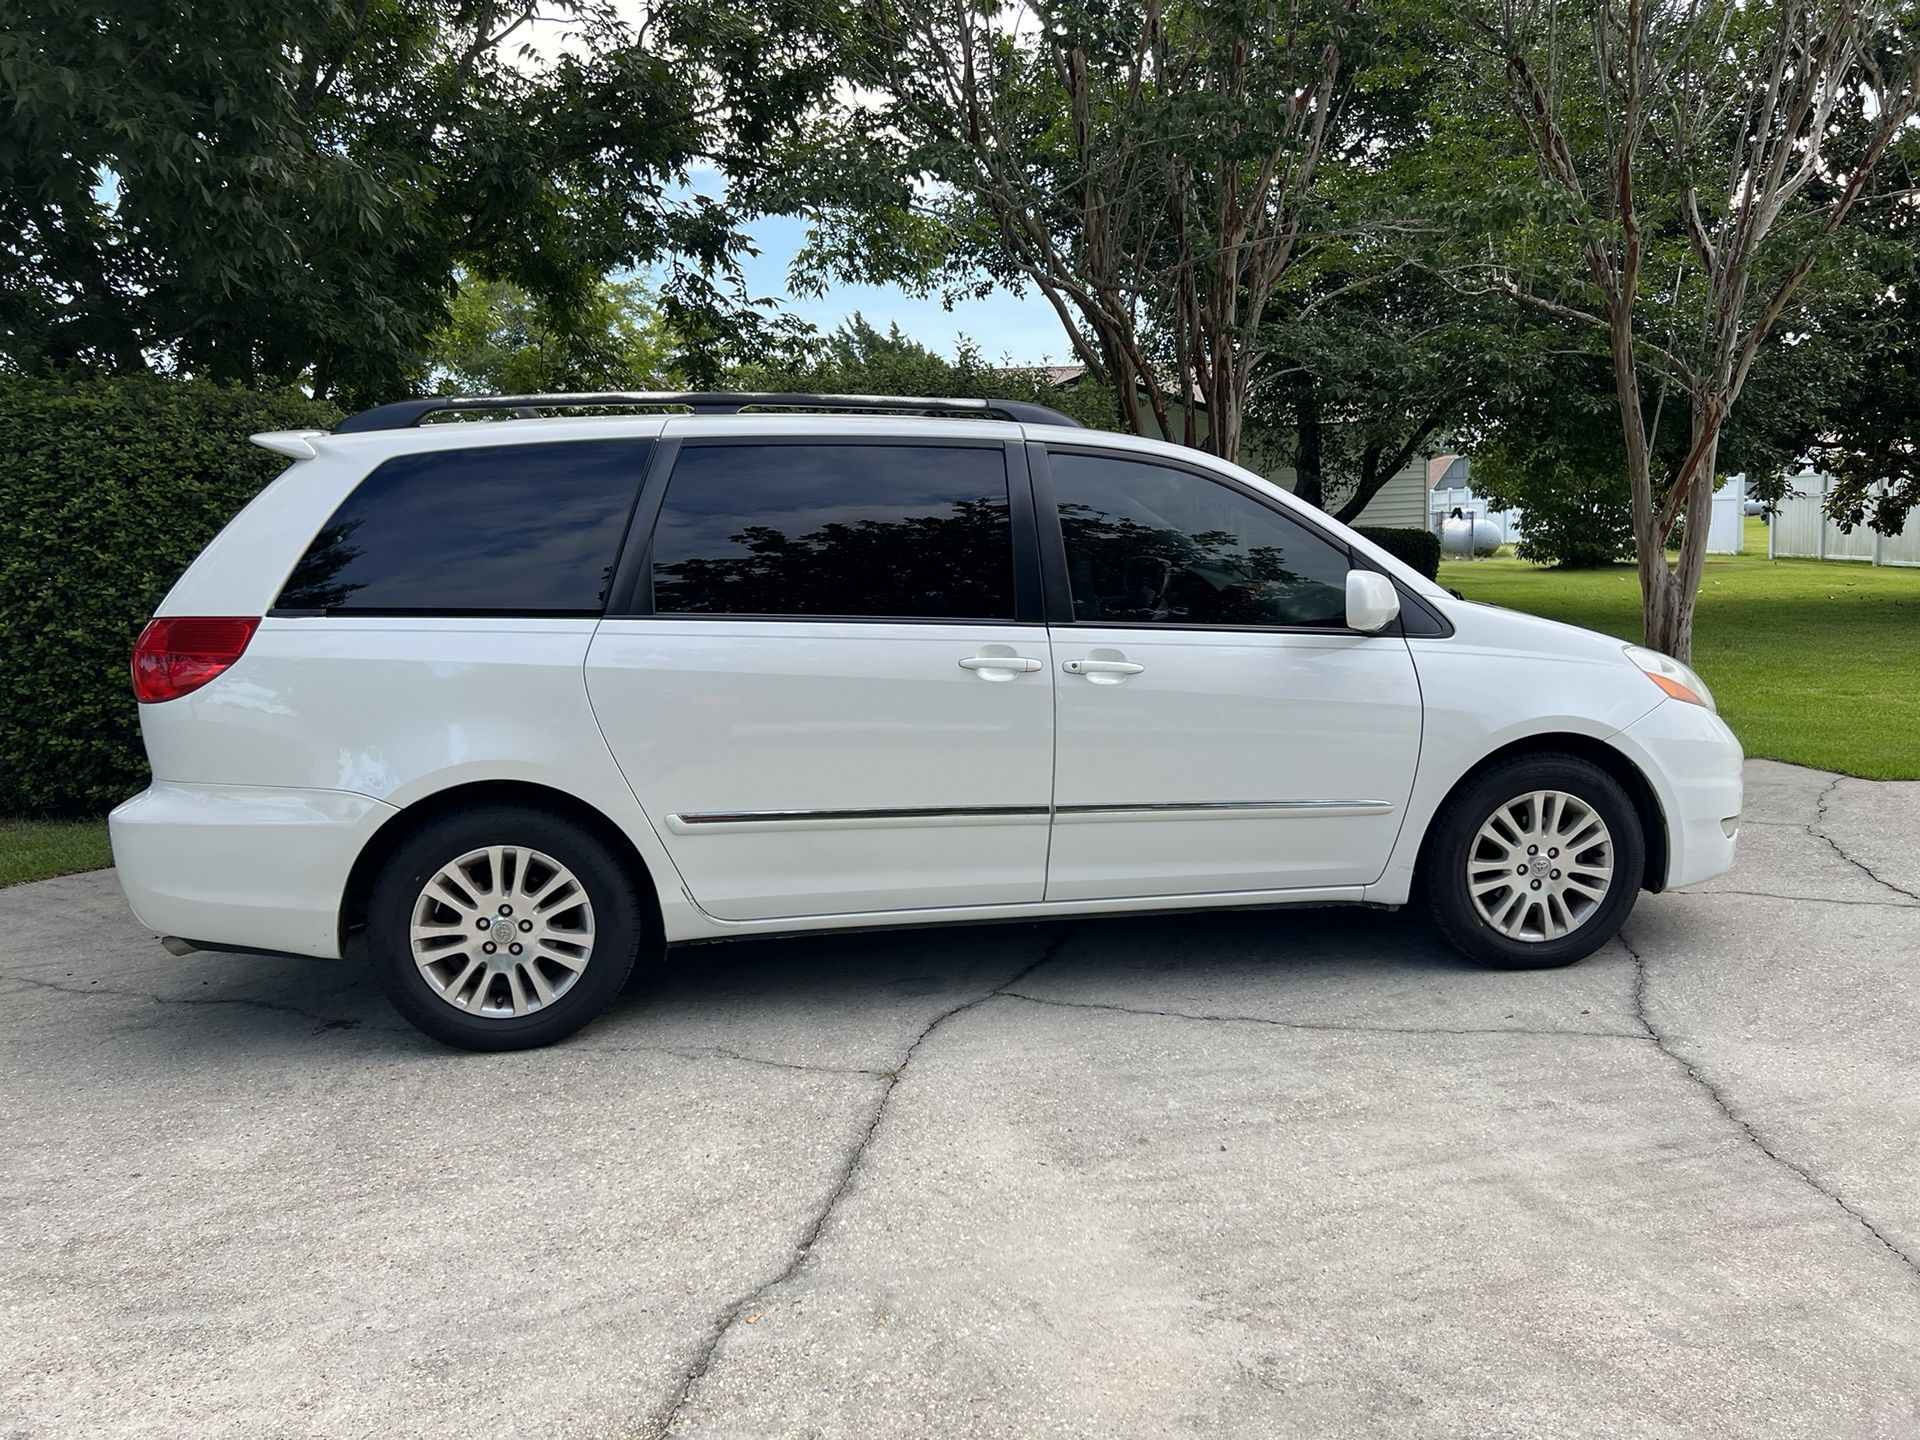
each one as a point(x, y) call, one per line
point(1220, 729)
point(828, 703)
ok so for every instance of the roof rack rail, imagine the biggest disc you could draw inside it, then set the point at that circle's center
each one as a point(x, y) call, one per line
point(404, 414)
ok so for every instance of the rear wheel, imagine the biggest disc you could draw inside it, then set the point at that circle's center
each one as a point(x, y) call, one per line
point(1535, 863)
point(501, 928)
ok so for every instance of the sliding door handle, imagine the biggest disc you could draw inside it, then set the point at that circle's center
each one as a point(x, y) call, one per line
point(1019, 663)
point(1101, 667)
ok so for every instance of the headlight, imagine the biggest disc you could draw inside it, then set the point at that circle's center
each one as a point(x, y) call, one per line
point(1671, 676)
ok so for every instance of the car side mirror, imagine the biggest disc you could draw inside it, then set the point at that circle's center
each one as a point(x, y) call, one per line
point(1372, 602)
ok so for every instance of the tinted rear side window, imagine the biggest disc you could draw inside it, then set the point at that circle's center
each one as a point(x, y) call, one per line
point(502, 529)
point(911, 532)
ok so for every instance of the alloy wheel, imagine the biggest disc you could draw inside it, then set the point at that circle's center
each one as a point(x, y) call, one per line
point(1540, 866)
point(502, 932)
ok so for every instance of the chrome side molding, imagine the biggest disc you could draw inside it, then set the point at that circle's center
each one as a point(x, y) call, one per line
point(1220, 810)
point(712, 822)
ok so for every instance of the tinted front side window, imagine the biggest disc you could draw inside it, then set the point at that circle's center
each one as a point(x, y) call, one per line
point(503, 529)
point(912, 532)
point(1150, 545)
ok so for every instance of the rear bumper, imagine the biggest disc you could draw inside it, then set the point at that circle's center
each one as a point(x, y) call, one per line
point(1693, 762)
point(242, 865)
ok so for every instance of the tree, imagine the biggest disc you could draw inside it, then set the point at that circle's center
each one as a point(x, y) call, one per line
point(1869, 429)
point(499, 340)
point(858, 359)
point(1693, 166)
point(1367, 371)
point(1549, 445)
point(1543, 427)
point(278, 190)
point(1149, 168)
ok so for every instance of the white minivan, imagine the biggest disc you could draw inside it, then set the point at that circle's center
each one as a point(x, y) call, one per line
point(504, 703)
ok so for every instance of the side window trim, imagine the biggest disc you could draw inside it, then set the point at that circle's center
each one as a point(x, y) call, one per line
point(632, 590)
point(1054, 563)
point(1053, 540)
point(1029, 596)
point(632, 594)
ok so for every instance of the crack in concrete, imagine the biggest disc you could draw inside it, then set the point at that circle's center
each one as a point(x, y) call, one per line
point(332, 1022)
point(706, 1052)
point(720, 1052)
point(1746, 1126)
point(1820, 815)
point(1315, 1025)
point(1800, 899)
point(662, 1422)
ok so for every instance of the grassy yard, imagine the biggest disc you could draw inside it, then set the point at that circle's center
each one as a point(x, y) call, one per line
point(1813, 662)
point(37, 849)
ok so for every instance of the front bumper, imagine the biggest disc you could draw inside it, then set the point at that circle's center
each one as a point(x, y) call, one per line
point(1693, 762)
point(242, 865)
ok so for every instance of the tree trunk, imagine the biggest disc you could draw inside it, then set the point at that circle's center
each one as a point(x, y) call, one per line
point(1671, 592)
point(1368, 486)
point(1378, 466)
point(1308, 482)
point(1666, 619)
point(1223, 421)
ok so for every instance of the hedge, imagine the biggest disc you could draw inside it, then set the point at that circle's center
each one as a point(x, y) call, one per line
point(1418, 548)
point(108, 488)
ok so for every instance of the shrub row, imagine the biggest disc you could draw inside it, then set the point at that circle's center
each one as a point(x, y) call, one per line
point(108, 488)
point(1418, 548)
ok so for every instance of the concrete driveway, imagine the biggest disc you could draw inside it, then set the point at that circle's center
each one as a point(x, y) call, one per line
point(1264, 1175)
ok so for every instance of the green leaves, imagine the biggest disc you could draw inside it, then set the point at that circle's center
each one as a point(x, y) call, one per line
point(108, 489)
point(857, 359)
point(283, 191)
point(499, 340)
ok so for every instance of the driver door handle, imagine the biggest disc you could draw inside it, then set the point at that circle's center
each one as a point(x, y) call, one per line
point(1101, 667)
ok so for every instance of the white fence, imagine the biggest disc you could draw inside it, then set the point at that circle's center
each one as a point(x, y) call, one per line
point(1727, 525)
point(1801, 528)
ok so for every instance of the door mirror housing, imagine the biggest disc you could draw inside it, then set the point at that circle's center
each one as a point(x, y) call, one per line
point(1372, 602)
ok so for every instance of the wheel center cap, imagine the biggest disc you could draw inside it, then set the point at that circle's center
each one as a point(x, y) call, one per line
point(502, 930)
point(1539, 865)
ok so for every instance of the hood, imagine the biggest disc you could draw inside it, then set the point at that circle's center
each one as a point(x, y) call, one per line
point(1477, 623)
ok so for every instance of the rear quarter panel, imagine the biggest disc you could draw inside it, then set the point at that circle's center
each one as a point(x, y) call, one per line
point(401, 709)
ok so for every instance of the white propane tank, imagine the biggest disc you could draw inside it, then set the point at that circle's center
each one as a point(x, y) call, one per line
point(1461, 536)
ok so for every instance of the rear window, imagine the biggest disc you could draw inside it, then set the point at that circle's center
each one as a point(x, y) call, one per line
point(499, 529)
point(902, 532)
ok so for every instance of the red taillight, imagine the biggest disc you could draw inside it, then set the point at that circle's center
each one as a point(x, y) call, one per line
point(177, 654)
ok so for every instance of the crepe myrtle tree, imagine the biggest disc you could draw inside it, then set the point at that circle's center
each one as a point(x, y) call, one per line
point(1694, 159)
point(1148, 167)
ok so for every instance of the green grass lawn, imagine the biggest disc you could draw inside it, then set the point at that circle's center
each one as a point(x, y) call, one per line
point(37, 849)
point(1813, 662)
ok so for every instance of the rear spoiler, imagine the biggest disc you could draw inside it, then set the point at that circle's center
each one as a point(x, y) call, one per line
point(294, 444)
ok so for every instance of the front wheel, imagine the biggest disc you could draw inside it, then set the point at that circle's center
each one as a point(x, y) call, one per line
point(502, 928)
point(1535, 863)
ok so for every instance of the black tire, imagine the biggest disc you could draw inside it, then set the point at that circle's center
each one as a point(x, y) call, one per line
point(1454, 833)
point(618, 920)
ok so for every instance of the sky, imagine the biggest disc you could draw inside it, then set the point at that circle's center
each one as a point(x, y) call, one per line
point(1022, 329)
